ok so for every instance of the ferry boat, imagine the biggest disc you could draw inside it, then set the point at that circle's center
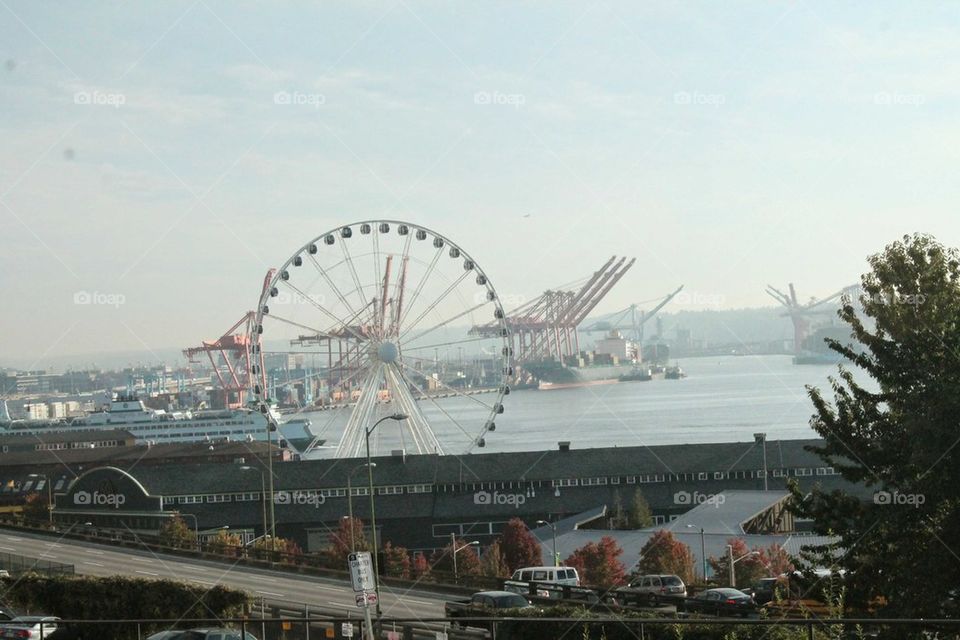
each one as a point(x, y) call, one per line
point(157, 426)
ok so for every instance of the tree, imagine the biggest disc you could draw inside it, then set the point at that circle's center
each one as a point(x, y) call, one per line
point(493, 564)
point(898, 440)
point(468, 564)
point(35, 507)
point(421, 567)
point(224, 543)
point(663, 553)
point(175, 533)
point(339, 541)
point(618, 519)
point(598, 563)
point(396, 561)
point(640, 515)
point(278, 549)
point(520, 548)
point(776, 560)
point(748, 568)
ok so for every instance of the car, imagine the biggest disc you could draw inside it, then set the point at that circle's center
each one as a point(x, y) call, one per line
point(204, 633)
point(483, 604)
point(767, 590)
point(4, 573)
point(651, 589)
point(28, 627)
point(553, 575)
point(7, 614)
point(719, 602)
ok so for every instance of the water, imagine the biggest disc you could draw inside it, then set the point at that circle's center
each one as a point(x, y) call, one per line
point(723, 399)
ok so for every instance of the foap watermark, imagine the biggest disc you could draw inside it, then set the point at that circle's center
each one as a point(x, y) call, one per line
point(891, 298)
point(100, 98)
point(295, 297)
point(499, 499)
point(887, 98)
point(899, 499)
point(299, 98)
point(299, 498)
point(515, 100)
point(699, 98)
point(98, 499)
point(700, 299)
point(114, 300)
point(697, 498)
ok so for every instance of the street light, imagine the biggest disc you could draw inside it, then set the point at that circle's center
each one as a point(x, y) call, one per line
point(731, 561)
point(196, 530)
point(49, 495)
point(373, 514)
point(453, 546)
point(556, 560)
point(703, 553)
point(263, 494)
point(353, 544)
point(761, 439)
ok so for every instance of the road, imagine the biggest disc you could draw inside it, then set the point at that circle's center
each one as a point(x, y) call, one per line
point(322, 594)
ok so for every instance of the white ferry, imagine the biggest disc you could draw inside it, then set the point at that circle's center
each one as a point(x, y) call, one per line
point(157, 426)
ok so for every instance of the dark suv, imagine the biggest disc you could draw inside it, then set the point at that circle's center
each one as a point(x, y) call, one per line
point(652, 589)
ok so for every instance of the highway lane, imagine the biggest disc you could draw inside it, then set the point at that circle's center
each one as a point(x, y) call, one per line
point(324, 594)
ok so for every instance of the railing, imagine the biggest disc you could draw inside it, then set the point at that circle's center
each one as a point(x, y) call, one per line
point(16, 564)
point(612, 628)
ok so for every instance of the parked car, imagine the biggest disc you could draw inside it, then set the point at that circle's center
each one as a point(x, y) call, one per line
point(555, 575)
point(7, 614)
point(651, 589)
point(211, 633)
point(484, 603)
point(28, 627)
point(719, 602)
point(4, 573)
point(766, 589)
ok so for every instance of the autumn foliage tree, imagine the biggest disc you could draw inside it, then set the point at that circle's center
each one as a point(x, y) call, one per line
point(420, 568)
point(493, 564)
point(175, 533)
point(519, 546)
point(340, 539)
point(396, 561)
point(748, 568)
point(35, 507)
point(598, 563)
point(224, 543)
point(468, 563)
point(663, 553)
point(279, 549)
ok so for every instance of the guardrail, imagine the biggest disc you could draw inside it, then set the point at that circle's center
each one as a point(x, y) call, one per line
point(16, 564)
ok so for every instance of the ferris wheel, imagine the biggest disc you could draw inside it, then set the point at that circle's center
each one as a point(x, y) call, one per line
point(380, 318)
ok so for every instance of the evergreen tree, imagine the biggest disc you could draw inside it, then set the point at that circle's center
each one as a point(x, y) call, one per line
point(640, 515)
point(898, 440)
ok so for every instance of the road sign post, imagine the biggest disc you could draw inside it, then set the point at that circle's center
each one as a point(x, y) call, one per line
point(361, 575)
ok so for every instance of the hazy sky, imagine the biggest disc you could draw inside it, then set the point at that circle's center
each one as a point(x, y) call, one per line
point(167, 154)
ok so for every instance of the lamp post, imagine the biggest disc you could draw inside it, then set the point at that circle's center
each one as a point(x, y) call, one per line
point(196, 530)
point(263, 494)
point(761, 439)
point(49, 495)
point(556, 560)
point(353, 544)
point(455, 550)
point(373, 513)
point(731, 561)
point(703, 552)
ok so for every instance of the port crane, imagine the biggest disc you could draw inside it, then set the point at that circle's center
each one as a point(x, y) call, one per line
point(546, 327)
point(800, 314)
point(230, 357)
point(633, 318)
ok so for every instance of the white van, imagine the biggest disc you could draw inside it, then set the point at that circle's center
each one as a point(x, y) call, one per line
point(555, 575)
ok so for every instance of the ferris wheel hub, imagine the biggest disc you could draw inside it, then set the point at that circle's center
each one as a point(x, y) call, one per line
point(387, 352)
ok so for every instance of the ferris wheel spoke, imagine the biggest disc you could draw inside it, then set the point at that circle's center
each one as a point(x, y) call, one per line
point(378, 274)
point(454, 390)
point(332, 284)
point(450, 343)
point(420, 285)
point(433, 305)
point(437, 405)
point(318, 332)
point(326, 312)
point(441, 324)
point(353, 272)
